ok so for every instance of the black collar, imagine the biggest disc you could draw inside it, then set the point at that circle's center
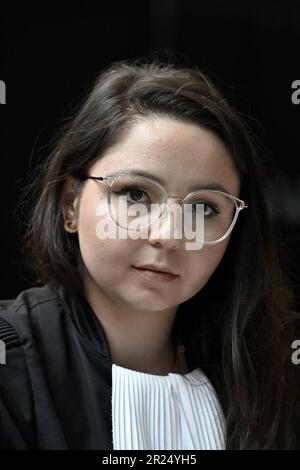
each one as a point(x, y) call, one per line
point(84, 319)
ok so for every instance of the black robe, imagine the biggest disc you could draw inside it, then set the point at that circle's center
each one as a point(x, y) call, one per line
point(55, 387)
point(56, 384)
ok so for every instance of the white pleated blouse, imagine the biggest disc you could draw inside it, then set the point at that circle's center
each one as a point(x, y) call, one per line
point(165, 412)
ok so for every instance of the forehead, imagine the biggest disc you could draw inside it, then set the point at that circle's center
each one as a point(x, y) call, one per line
point(178, 153)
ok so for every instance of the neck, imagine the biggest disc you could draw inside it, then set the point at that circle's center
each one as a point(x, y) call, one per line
point(139, 340)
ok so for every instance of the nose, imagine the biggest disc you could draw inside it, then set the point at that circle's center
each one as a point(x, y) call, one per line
point(167, 230)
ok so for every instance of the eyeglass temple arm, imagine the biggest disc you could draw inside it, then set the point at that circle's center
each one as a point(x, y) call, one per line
point(86, 177)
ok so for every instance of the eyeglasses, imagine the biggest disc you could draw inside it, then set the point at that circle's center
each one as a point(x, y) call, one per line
point(128, 191)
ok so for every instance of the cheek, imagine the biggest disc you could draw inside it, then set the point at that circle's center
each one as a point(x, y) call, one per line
point(97, 249)
point(94, 221)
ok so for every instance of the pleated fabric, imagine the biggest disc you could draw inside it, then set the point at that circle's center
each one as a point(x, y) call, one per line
point(165, 412)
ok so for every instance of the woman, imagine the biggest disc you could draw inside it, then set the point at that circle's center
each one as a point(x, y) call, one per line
point(136, 339)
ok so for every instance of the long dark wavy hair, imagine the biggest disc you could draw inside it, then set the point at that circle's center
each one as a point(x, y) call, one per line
point(240, 326)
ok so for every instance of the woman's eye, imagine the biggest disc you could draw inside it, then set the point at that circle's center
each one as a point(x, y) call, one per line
point(134, 194)
point(208, 209)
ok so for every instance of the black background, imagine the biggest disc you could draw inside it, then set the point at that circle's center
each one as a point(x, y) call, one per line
point(51, 54)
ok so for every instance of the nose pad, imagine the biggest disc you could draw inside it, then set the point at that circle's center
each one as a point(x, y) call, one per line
point(168, 227)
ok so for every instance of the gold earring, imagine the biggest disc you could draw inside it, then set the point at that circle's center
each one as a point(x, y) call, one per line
point(68, 227)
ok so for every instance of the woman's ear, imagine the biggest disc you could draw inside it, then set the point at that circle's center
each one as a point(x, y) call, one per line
point(70, 201)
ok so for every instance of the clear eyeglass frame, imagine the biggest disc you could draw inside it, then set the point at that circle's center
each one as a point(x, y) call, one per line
point(239, 203)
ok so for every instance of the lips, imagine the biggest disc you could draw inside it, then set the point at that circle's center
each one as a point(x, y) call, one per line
point(155, 275)
point(156, 267)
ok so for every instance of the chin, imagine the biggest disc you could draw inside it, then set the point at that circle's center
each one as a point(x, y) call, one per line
point(151, 303)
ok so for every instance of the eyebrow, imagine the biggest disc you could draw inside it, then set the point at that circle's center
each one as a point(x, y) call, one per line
point(140, 172)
